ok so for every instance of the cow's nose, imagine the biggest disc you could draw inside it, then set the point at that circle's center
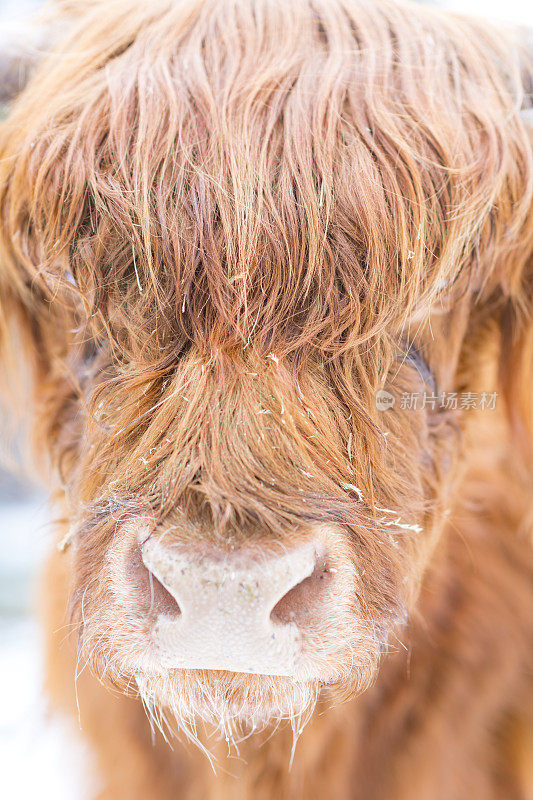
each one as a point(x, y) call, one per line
point(239, 610)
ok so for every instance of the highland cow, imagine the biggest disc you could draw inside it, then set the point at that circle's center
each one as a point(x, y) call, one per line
point(270, 265)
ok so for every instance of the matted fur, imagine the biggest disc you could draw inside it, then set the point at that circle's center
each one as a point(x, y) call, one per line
point(224, 226)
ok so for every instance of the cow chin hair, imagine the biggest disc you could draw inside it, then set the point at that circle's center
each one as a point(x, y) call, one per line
point(208, 706)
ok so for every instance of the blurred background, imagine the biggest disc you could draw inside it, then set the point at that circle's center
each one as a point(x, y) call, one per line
point(42, 755)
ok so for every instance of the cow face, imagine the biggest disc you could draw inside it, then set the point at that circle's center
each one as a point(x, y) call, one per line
point(235, 238)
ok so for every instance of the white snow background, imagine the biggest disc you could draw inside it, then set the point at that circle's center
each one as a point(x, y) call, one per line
point(42, 755)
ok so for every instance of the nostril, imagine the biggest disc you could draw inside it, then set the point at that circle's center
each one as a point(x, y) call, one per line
point(161, 601)
point(151, 595)
point(300, 603)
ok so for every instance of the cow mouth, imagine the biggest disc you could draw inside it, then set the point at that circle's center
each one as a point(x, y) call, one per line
point(206, 705)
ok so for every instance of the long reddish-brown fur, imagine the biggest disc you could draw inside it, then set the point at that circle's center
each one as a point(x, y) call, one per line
point(224, 226)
